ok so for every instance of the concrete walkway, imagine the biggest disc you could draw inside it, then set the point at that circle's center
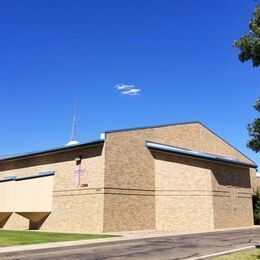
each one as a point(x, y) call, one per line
point(133, 237)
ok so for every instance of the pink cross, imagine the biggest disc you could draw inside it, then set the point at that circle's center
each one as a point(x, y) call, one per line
point(78, 173)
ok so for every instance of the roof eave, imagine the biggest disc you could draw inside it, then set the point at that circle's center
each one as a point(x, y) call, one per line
point(179, 151)
point(52, 151)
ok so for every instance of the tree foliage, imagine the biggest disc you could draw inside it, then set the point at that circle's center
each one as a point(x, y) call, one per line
point(256, 207)
point(249, 44)
point(254, 131)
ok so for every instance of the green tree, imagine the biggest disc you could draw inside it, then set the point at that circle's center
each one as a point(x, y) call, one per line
point(249, 46)
point(254, 131)
point(256, 207)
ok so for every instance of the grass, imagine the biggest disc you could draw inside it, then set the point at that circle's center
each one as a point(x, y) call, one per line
point(246, 255)
point(15, 238)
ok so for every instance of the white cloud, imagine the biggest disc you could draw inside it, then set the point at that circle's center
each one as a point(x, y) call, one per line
point(124, 86)
point(129, 90)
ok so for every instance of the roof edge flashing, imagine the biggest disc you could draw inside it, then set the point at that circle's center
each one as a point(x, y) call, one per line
point(51, 151)
point(151, 126)
point(40, 175)
point(196, 154)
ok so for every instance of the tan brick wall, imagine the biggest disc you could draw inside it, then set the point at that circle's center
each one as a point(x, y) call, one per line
point(183, 194)
point(74, 209)
point(232, 200)
point(224, 189)
point(129, 210)
point(195, 137)
point(126, 154)
point(130, 166)
point(76, 212)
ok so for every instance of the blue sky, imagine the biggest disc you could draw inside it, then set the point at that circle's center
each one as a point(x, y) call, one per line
point(179, 55)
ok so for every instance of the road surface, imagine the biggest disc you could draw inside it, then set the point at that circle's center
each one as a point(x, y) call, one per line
point(173, 247)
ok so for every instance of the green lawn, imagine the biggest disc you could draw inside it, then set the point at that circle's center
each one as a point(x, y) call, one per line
point(15, 238)
point(247, 255)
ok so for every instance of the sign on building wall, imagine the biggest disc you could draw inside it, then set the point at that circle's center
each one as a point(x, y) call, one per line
point(79, 171)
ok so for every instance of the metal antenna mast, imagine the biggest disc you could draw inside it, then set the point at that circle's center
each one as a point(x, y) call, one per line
point(73, 128)
point(73, 140)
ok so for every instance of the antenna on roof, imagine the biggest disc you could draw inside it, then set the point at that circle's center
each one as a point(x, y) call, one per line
point(73, 140)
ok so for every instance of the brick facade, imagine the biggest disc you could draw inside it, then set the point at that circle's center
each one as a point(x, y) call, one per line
point(74, 209)
point(133, 188)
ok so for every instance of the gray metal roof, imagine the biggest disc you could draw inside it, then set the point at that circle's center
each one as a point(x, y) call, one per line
point(50, 151)
point(196, 154)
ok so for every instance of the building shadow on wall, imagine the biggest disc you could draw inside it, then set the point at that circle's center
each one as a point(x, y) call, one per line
point(37, 225)
point(33, 225)
point(232, 176)
point(36, 219)
point(4, 218)
point(224, 174)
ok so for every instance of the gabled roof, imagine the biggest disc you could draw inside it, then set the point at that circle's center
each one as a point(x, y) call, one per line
point(50, 151)
point(102, 140)
point(196, 154)
point(175, 124)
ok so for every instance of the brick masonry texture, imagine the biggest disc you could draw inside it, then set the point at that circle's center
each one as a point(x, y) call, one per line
point(74, 209)
point(133, 188)
point(130, 166)
point(183, 194)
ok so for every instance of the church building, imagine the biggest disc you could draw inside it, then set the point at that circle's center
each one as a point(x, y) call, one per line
point(169, 177)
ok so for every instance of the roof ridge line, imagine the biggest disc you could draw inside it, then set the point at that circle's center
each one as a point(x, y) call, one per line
point(150, 126)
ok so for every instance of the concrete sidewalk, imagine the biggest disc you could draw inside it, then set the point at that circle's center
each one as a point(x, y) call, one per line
point(126, 237)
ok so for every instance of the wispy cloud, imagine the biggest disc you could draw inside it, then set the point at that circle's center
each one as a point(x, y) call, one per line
point(129, 90)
